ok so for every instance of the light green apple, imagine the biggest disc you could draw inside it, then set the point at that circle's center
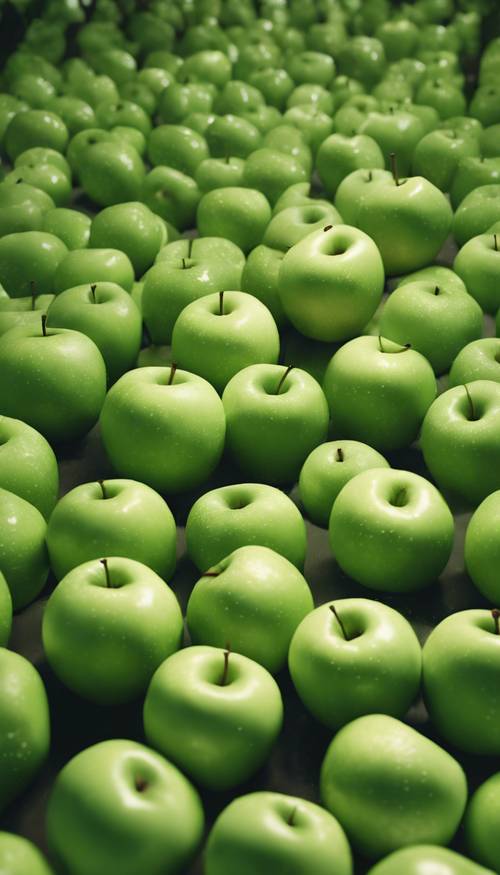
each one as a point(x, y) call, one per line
point(340, 155)
point(23, 311)
point(132, 228)
point(438, 153)
point(172, 195)
point(478, 265)
point(479, 360)
point(260, 278)
point(292, 224)
point(23, 552)
point(27, 258)
point(19, 856)
point(425, 859)
point(479, 210)
point(22, 208)
point(28, 466)
point(241, 215)
point(481, 822)
point(5, 613)
point(219, 173)
point(86, 266)
point(177, 146)
point(71, 226)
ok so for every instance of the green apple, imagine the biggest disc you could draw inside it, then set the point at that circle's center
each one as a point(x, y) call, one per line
point(124, 113)
point(272, 172)
point(327, 469)
point(237, 97)
point(139, 93)
point(23, 553)
point(362, 58)
point(132, 228)
point(389, 786)
point(47, 177)
point(185, 271)
point(425, 859)
point(292, 224)
point(232, 135)
point(470, 174)
point(260, 278)
point(171, 195)
point(18, 856)
point(275, 416)
point(355, 657)
point(331, 282)
point(219, 173)
point(437, 155)
point(35, 127)
point(82, 267)
point(253, 598)
point(239, 515)
point(435, 273)
point(478, 265)
point(313, 94)
point(274, 83)
point(314, 125)
point(234, 321)
point(481, 547)
point(22, 208)
point(289, 139)
point(298, 195)
point(437, 320)
point(42, 155)
point(384, 513)
point(23, 311)
point(53, 379)
point(28, 466)
point(29, 257)
point(399, 38)
point(479, 210)
point(214, 713)
point(107, 627)
point(179, 99)
point(488, 139)
point(112, 518)
point(461, 661)
point(484, 103)
point(479, 360)
point(188, 439)
point(241, 215)
point(117, 63)
point(77, 114)
point(270, 832)
point(340, 155)
point(111, 172)
point(481, 822)
point(317, 68)
point(25, 730)
point(5, 614)
point(9, 107)
point(120, 804)
point(395, 130)
point(353, 112)
point(177, 146)
point(206, 66)
point(460, 440)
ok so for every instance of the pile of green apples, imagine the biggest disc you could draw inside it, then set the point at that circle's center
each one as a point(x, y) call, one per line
point(250, 275)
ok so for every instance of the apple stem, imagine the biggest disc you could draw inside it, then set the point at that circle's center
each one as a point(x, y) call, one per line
point(394, 168)
point(340, 455)
point(227, 653)
point(370, 176)
point(328, 228)
point(19, 180)
point(184, 264)
point(104, 563)
point(291, 819)
point(221, 303)
point(283, 378)
point(495, 242)
point(173, 369)
point(141, 785)
point(92, 292)
point(339, 621)
point(103, 490)
point(472, 412)
point(190, 246)
point(495, 613)
point(436, 290)
point(44, 324)
point(33, 293)
point(211, 574)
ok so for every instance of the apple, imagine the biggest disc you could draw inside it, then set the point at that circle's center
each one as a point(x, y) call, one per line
point(241, 215)
point(379, 392)
point(125, 114)
point(481, 822)
point(46, 177)
point(314, 125)
point(178, 99)
point(438, 320)
point(28, 466)
point(355, 657)
point(233, 321)
point(18, 856)
point(29, 257)
point(120, 804)
point(22, 208)
point(86, 266)
point(423, 859)
point(272, 172)
point(106, 313)
point(362, 58)
point(111, 172)
point(313, 67)
point(236, 97)
point(331, 282)
point(292, 224)
point(171, 195)
point(290, 140)
point(396, 130)
point(271, 832)
point(253, 598)
point(327, 469)
point(438, 153)
point(133, 229)
point(35, 127)
point(460, 440)
point(25, 729)
point(399, 38)
point(71, 226)
point(471, 173)
point(5, 613)
point(340, 155)
point(479, 360)
point(187, 442)
point(275, 416)
point(481, 547)
point(274, 83)
point(219, 173)
point(177, 146)
point(260, 278)
point(479, 210)
point(391, 530)
point(107, 627)
point(478, 265)
point(112, 518)
point(389, 786)
point(15, 312)
point(206, 66)
point(214, 713)
point(461, 664)
point(232, 135)
point(241, 514)
point(434, 273)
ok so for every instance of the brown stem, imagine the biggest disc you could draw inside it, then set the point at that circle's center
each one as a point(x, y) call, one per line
point(283, 378)
point(339, 621)
point(437, 290)
point(33, 293)
point(183, 263)
point(328, 228)
point(472, 412)
point(103, 490)
point(340, 455)
point(44, 324)
point(221, 303)
point(495, 242)
point(227, 653)
point(211, 574)
point(104, 563)
point(173, 369)
point(370, 176)
point(495, 613)
point(141, 784)
point(92, 292)
point(394, 167)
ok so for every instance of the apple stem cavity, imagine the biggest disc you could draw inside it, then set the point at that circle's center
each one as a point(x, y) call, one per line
point(495, 613)
point(370, 176)
point(183, 263)
point(339, 457)
point(173, 369)
point(104, 563)
point(291, 819)
point(437, 290)
point(44, 324)
point(221, 303)
point(495, 242)
point(92, 292)
point(339, 621)
point(141, 784)
point(394, 168)
point(472, 412)
point(227, 653)
point(33, 293)
point(283, 378)
point(400, 498)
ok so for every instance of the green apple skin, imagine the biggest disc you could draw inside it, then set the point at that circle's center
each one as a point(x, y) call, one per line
point(85, 266)
point(479, 210)
point(362, 58)
point(340, 155)
point(219, 173)
point(186, 271)
point(36, 127)
point(245, 330)
point(111, 172)
point(275, 84)
point(253, 598)
point(271, 832)
point(409, 221)
point(435, 273)
point(125, 114)
point(23, 553)
point(15, 312)
point(376, 669)
point(112, 518)
point(314, 125)
point(479, 360)
point(25, 737)
point(316, 68)
point(260, 278)
point(187, 443)
point(437, 155)
point(397, 131)
point(481, 823)
point(179, 99)
point(298, 195)
point(482, 547)
point(241, 215)
point(55, 382)
point(292, 224)
point(133, 229)
point(379, 392)
point(18, 856)
point(120, 804)
point(272, 172)
point(104, 641)
point(313, 94)
point(399, 38)
point(177, 146)
point(80, 142)
point(427, 860)
point(30, 257)
point(107, 315)
point(289, 139)
point(5, 613)
point(478, 265)
point(46, 177)
point(42, 155)
point(470, 174)
point(437, 320)
point(331, 282)
point(218, 733)
point(22, 208)
point(237, 97)
point(232, 135)
point(389, 786)
point(488, 139)
point(461, 661)
point(206, 66)
point(270, 433)
point(240, 515)
point(384, 512)
point(28, 466)
point(71, 226)
point(171, 195)
point(327, 469)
